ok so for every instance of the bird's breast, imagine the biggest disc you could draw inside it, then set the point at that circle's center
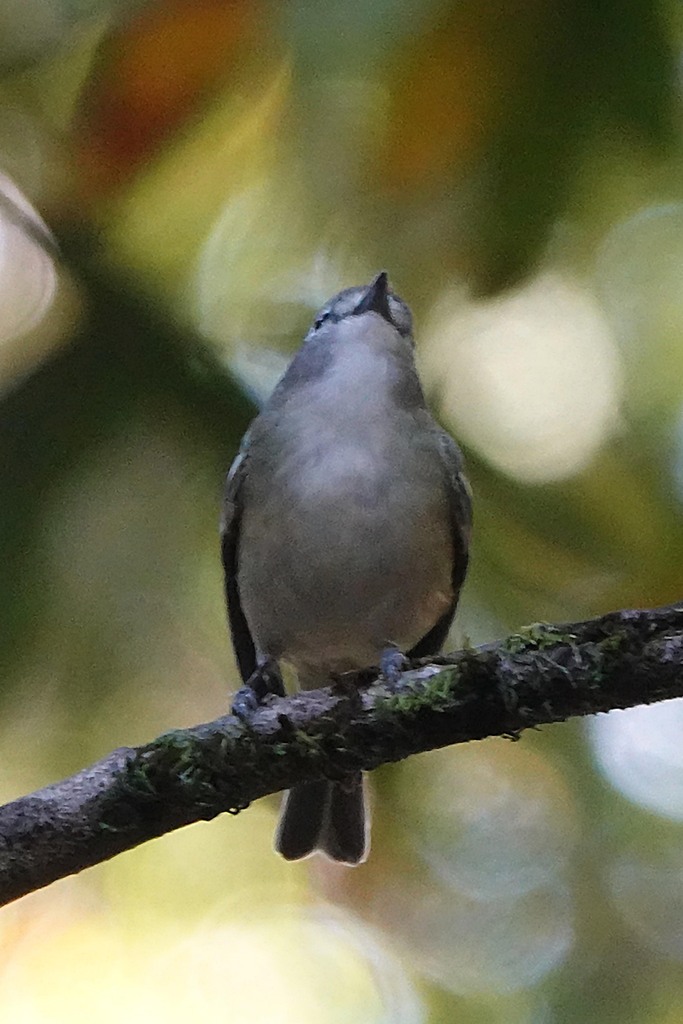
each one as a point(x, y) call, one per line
point(345, 541)
point(348, 551)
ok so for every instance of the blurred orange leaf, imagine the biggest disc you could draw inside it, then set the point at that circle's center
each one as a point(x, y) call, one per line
point(449, 93)
point(152, 75)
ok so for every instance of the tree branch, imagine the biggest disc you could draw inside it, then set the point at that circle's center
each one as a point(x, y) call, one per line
point(544, 674)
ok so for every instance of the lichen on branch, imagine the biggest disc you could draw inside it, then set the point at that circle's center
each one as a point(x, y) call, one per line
point(539, 675)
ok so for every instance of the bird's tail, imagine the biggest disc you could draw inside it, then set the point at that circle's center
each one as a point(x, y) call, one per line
point(327, 816)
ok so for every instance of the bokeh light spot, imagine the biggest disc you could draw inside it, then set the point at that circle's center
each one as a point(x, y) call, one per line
point(494, 820)
point(639, 272)
point(649, 898)
point(29, 287)
point(494, 825)
point(474, 946)
point(640, 752)
point(276, 967)
point(530, 379)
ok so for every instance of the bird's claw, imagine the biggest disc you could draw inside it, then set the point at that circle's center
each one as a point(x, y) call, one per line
point(392, 664)
point(244, 703)
point(264, 681)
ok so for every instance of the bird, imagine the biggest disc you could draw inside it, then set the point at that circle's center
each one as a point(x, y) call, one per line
point(345, 531)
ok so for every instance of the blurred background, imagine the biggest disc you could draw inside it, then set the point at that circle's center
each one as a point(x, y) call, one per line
point(207, 173)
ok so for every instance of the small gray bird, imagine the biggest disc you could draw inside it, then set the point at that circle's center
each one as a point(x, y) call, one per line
point(345, 533)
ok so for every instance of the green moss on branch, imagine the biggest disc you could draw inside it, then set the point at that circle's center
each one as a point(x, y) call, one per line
point(540, 675)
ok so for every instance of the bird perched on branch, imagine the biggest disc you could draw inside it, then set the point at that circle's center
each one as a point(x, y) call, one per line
point(345, 532)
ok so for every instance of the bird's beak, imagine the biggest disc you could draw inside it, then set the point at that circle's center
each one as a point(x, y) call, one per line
point(375, 298)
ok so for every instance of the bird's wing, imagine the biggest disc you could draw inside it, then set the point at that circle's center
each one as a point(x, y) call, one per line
point(460, 514)
point(230, 532)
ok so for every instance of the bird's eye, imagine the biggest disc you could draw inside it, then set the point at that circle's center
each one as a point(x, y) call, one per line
point(321, 320)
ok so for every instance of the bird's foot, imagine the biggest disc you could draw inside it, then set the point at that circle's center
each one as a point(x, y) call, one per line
point(391, 664)
point(265, 680)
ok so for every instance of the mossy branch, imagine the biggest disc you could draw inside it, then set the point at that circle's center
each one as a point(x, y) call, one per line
point(541, 675)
